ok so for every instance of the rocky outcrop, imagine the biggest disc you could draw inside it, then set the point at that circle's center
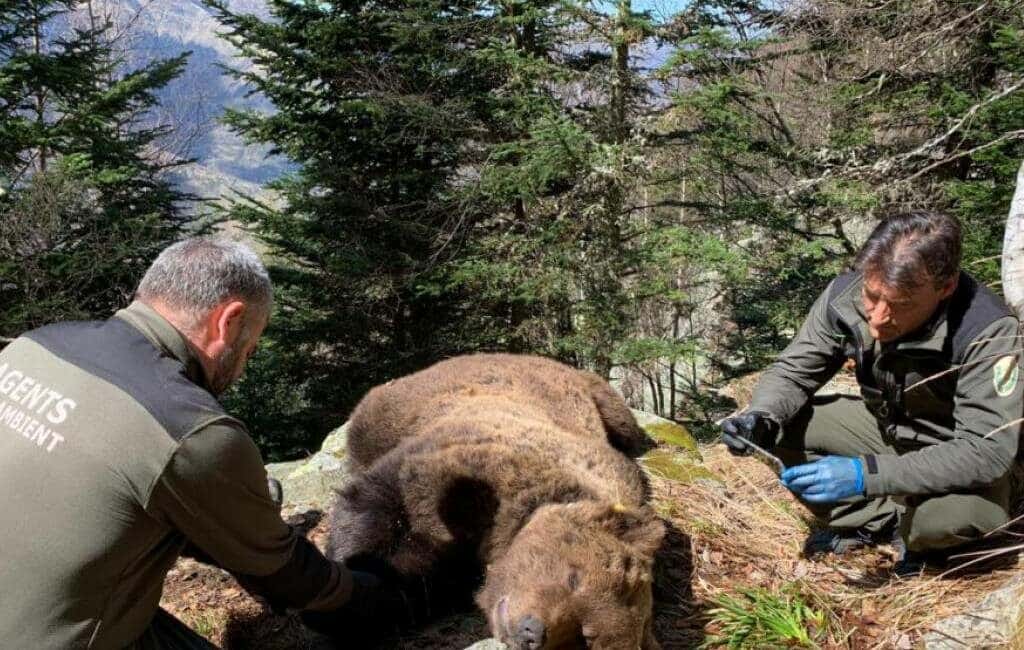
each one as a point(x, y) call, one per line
point(992, 623)
point(309, 484)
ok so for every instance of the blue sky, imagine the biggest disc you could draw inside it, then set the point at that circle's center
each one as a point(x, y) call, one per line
point(672, 6)
point(660, 9)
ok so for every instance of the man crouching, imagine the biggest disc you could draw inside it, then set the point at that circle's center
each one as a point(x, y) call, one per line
point(927, 449)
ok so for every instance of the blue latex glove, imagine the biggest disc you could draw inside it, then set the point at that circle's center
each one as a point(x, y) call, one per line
point(825, 481)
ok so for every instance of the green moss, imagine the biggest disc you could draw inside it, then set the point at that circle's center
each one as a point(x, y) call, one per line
point(205, 625)
point(670, 433)
point(706, 528)
point(799, 515)
point(666, 463)
point(665, 508)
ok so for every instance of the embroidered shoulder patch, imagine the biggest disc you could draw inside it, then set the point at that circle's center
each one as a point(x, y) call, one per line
point(1005, 373)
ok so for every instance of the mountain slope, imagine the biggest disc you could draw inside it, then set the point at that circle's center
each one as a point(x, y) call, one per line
point(194, 103)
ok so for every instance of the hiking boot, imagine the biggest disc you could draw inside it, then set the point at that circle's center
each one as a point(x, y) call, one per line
point(910, 565)
point(840, 542)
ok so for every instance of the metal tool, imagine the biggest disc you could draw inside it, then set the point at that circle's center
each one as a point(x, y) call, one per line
point(769, 457)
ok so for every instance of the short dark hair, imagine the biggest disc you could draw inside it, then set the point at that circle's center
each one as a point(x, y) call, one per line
point(907, 250)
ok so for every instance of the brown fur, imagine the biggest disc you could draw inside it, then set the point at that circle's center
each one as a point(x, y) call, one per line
point(503, 463)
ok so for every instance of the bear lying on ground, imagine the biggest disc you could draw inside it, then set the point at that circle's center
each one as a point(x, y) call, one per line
point(511, 469)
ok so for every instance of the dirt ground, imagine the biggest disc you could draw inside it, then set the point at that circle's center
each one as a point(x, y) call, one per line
point(211, 602)
point(724, 536)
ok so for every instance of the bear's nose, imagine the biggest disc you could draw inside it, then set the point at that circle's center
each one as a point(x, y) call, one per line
point(530, 633)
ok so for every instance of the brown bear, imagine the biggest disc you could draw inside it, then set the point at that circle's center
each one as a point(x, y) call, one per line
point(513, 466)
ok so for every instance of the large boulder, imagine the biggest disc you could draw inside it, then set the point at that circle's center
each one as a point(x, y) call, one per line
point(677, 456)
point(309, 484)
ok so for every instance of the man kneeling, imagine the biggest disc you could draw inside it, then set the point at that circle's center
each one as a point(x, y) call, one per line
point(115, 454)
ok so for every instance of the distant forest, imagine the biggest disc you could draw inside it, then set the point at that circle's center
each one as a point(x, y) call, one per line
point(658, 198)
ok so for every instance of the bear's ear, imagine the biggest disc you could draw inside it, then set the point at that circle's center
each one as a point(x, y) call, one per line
point(639, 529)
point(468, 507)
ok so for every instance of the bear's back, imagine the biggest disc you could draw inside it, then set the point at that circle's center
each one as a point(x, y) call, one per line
point(474, 454)
point(475, 386)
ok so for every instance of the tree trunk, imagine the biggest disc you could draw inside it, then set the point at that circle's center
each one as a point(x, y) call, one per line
point(1013, 250)
point(620, 80)
point(40, 94)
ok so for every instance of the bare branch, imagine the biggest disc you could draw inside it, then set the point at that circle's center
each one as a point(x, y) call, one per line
point(1012, 135)
point(927, 147)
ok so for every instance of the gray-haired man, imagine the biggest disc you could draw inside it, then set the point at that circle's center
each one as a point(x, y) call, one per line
point(114, 454)
point(934, 435)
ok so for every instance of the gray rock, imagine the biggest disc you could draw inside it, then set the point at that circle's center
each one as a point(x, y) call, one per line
point(309, 484)
point(335, 441)
point(991, 624)
point(488, 644)
point(281, 471)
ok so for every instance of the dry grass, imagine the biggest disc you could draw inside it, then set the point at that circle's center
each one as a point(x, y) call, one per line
point(749, 532)
point(1017, 642)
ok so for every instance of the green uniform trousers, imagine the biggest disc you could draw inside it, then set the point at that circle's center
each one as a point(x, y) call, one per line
point(168, 633)
point(842, 426)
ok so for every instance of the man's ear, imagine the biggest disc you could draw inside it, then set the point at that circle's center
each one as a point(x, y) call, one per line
point(222, 327)
point(950, 287)
point(231, 321)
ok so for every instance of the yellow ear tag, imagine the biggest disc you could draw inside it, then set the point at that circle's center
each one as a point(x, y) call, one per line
point(618, 507)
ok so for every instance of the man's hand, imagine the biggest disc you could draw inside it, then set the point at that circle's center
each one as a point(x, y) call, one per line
point(756, 426)
point(373, 605)
point(828, 480)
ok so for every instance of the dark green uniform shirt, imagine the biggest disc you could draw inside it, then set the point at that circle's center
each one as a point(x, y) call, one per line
point(112, 455)
point(948, 395)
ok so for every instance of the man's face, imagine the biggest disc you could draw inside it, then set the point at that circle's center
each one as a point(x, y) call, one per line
point(892, 313)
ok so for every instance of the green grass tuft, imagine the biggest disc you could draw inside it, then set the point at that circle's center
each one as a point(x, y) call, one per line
point(759, 618)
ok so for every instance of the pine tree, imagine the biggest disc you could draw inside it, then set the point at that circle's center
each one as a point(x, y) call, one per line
point(381, 106)
point(85, 204)
point(555, 259)
point(798, 129)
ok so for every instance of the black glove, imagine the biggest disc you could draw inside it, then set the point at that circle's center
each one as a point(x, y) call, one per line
point(755, 426)
point(373, 606)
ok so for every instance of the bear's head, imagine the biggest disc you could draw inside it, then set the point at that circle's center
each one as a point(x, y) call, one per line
point(576, 576)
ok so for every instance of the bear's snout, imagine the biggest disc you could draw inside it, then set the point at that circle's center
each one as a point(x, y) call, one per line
point(530, 633)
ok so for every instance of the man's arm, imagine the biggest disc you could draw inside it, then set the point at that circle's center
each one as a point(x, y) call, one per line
point(214, 490)
point(987, 410)
point(810, 360)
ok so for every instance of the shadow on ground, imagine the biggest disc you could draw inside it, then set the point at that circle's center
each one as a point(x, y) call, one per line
point(678, 616)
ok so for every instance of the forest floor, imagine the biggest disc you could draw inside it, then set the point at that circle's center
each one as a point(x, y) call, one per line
point(730, 574)
point(745, 537)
